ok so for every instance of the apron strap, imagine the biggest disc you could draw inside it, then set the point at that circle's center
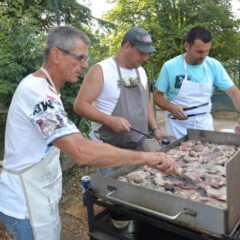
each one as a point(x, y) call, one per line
point(119, 72)
point(185, 68)
point(17, 172)
point(49, 79)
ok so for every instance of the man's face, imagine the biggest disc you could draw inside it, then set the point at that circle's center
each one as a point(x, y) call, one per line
point(74, 63)
point(197, 52)
point(135, 58)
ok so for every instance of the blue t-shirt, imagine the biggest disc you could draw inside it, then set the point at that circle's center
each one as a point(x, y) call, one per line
point(173, 73)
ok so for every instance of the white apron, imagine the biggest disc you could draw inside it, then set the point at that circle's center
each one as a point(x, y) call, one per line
point(192, 94)
point(42, 184)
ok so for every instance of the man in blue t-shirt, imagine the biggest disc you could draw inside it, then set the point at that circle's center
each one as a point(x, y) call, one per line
point(186, 83)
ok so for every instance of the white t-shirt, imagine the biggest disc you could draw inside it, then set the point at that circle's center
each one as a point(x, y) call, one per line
point(107, 100)
point(35, 119)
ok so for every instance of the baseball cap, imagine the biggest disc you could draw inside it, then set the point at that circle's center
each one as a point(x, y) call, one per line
point(140, 38)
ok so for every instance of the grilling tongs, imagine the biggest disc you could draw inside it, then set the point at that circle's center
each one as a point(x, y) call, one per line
point(184, 178)
point(171, 138)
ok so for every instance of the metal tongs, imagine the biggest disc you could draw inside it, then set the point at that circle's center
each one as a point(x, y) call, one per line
point(145, 134)
point(191, 108)
point(171, 138)
point(184, 178)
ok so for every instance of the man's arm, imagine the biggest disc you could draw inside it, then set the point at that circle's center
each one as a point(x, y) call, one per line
point(176, 110)
point(89, 91)
point(234, 94)
point(86, 152)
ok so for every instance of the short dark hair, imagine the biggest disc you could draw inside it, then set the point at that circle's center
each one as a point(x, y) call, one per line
point(200, 33)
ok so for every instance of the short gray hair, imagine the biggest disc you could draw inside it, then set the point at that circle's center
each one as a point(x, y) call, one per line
point(64, 37)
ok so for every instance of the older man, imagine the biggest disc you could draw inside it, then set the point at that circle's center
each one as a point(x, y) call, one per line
point(37, 127)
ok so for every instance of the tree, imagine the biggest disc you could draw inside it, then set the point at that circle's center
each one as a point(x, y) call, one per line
point(168, 21)
point(23, 25)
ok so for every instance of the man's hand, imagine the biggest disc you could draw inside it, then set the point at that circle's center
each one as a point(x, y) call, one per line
point(161, 161)
point(159, 135)
point(178, 111)
point(119, 124)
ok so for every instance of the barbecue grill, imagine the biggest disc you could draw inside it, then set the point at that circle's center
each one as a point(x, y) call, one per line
point(164, 214)
point(149, 227)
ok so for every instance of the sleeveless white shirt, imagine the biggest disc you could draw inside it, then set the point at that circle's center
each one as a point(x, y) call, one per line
point(108, 98)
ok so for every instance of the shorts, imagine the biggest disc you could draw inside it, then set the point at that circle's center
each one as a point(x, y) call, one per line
point(20, 228)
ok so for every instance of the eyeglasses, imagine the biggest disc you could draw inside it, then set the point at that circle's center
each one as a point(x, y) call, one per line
point(80, 58)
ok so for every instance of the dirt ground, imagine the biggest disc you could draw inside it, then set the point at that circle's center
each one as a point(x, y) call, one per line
point(74, 226)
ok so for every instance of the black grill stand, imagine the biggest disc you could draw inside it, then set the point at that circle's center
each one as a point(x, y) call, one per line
point(150, 228)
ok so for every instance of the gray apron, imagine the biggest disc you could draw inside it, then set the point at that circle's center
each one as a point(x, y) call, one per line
point(132, 105)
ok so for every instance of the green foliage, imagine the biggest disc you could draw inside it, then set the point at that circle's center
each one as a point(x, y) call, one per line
point(24, 23)
point(168, 21)
point(23, 26)
point(85, 127)
point(21, 44)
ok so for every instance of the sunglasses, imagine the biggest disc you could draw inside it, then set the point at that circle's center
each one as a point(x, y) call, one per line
point(81, 58)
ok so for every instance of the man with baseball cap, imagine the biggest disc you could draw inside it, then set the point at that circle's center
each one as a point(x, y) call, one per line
point(140, 38)
point(114, 96)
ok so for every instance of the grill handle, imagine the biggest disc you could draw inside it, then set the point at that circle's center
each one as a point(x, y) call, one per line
point(188, 211)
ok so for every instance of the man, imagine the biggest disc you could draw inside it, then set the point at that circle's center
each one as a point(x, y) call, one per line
point(37, 127)
point(186, 83)
point(114, 95)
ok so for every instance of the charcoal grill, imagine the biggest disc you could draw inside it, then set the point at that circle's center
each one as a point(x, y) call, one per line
point(181, 213)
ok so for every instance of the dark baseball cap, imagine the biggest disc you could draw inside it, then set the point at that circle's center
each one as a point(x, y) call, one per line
point(140, 38)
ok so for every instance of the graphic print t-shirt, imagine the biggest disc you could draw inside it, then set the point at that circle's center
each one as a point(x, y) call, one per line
point(36, 118)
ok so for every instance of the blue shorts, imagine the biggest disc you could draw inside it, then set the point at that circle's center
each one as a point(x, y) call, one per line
point(20, 228)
